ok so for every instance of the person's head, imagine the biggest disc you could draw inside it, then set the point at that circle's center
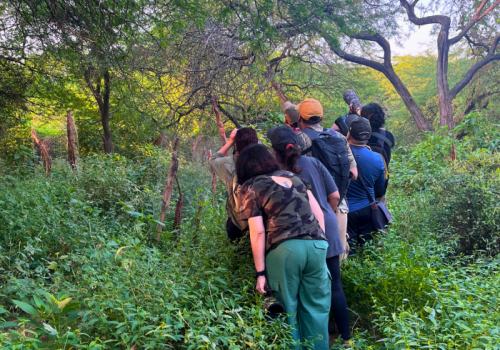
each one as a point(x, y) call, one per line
point(375, 114)
point(285, 145)
point(291, 114)
point(245, 137)
point(359, 131)
point(310, 112)
point(253, 161)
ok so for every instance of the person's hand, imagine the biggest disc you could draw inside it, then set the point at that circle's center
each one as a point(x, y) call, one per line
point(232, 137)
point(354, 110)
point(335, 127)
point(261, 285)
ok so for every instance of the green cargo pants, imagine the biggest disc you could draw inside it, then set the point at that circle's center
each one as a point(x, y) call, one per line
point(297, 272)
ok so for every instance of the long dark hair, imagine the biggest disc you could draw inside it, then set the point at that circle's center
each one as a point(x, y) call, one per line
point(288, 159)
point(253, 161)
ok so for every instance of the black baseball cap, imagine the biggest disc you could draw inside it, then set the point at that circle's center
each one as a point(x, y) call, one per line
point(360, 129)
point(282, 136)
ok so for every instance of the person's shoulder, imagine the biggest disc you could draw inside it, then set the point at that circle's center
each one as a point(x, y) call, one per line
point(218, 158)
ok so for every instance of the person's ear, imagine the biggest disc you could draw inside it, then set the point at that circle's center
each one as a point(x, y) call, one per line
point(348, 137)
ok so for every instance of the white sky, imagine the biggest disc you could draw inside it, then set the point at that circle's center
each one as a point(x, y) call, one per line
point(419, 41)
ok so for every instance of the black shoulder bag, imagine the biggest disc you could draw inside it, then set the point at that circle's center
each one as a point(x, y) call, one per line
point(380, 214)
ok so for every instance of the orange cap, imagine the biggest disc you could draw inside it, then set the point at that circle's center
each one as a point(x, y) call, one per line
point(310, 108)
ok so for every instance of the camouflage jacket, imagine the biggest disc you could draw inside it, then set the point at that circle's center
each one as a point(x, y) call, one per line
point(286, 211)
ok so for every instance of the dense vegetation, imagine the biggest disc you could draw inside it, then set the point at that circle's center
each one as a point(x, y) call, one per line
point(80, 266)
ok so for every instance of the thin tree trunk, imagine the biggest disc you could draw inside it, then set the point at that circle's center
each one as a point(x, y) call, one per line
point(47, 164)
point(108, 141)
point(279, 92)
point(71, 140)
point(214, 178)
point(445, 107)
point(219, 124)
point(167, 194)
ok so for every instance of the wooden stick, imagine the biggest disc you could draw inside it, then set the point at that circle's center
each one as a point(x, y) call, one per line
point(453, 152)
point(178, 208)
point(167, 194)
point(71, 140)
point(279, 92)
point(214, 178)
point(219, 123)
point(47, 164)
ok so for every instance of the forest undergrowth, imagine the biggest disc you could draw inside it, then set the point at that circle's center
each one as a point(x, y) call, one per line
point(80, 268)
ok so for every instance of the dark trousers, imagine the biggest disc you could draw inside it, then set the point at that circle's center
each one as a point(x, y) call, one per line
point(359, 228)
point(339, 302)
point(233, 231)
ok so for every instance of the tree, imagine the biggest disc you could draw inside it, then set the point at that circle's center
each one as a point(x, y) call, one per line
point(468, 23)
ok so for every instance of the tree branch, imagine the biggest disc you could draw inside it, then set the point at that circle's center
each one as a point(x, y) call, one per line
point(490, 57)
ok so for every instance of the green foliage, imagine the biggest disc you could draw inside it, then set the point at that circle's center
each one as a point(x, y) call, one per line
point(88, 236)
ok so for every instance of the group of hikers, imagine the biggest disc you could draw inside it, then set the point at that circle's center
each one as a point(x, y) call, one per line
point(308, 203)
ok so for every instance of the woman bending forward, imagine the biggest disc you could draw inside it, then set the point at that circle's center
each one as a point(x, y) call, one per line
point(288, 242)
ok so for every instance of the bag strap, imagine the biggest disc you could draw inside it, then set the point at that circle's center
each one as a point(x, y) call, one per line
point(382, 138)
point(373, 205)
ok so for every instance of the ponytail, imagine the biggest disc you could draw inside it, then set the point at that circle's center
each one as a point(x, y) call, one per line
point(288, 159)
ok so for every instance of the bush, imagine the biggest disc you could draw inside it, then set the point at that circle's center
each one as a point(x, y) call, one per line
point(87, 238)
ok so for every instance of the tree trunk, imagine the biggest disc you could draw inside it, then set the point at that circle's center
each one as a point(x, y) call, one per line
point(445, 108)
point(404, 93)
point(108, 141)
point(47, 164)
point(71, 140)
point(169, 188)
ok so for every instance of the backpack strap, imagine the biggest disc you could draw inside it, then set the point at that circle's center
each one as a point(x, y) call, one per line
point(312, 135)
point(382, 138)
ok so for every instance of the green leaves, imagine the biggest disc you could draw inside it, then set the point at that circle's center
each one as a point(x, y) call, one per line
point(26, 308)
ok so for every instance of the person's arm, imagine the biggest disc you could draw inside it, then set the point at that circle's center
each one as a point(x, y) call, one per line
point(380, 181)
point(228, 144)
point(316, 209)
point(333, 200)
point(258, 241)
point(352, 161)
point(354, 172)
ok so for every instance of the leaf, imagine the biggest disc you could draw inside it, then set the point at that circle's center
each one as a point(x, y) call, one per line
point(8, 324)
point(63, 303)
point(26, 308)
point(119, 250)
point(3, 311)
point(134, 213)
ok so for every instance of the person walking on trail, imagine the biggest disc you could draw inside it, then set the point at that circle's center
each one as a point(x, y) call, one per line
point(371, 176)
point(288, 242)
point(285, 145)
point(380, 141)
point(310, 117)
point(225, 168)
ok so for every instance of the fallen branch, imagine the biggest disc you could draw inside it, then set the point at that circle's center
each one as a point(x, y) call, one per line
point(71, 140)
point(167, 194)
point(47, 164)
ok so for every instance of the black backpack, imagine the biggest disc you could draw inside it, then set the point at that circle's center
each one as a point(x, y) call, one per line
point(330, 150)
point(378, 147)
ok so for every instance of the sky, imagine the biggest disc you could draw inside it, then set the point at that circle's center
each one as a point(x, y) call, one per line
point(418, 42)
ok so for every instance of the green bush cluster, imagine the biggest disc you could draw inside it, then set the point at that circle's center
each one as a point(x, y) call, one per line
point(432, 281)
point(79, 266)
